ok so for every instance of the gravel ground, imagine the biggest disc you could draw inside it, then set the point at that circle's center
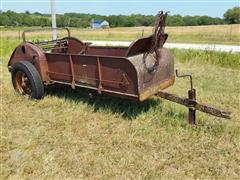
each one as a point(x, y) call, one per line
point(215, 47)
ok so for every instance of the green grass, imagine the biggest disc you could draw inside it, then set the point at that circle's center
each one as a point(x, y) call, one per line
point(224, 59)
point(70, 135)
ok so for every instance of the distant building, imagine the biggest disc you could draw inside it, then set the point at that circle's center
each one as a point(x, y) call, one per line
point(99, 24)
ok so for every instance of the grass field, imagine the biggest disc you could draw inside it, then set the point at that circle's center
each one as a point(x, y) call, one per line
point(70, 135)
point(218, 34)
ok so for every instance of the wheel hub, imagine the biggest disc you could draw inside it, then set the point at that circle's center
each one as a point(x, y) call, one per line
point(23, 84)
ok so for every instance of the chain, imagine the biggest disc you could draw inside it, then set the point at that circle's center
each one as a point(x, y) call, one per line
point(158, 39)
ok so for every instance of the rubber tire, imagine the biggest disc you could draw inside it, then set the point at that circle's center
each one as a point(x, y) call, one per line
point(33, 76)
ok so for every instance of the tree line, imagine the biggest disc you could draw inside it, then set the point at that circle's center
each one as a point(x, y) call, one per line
point(11, 18)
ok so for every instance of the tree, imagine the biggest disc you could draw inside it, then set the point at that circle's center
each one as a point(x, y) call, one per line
point(190, 20)
point(28, 21)
point(44, 22)
point(175, 20)
point(37, 13)
point(63, 21)
point(11, 18)
point(4, 20)
point(232, 16)
point(205, 20)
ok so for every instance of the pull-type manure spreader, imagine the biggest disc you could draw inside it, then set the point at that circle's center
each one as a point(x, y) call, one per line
point(136, 72)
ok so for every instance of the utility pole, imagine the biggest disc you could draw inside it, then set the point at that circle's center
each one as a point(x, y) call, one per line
point(54, 24)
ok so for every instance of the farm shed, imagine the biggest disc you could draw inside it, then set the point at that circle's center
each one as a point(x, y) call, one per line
point(99, 23)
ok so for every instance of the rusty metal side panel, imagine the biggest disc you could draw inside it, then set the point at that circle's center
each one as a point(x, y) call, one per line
point(106, 51)
point(106, 74)
point(75, 45)
point(120, 75)
point(150, 82)
point(59, 67)
point(139, 46)
point(86, 70)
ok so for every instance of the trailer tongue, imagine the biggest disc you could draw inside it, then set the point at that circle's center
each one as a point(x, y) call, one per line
point(137, 72)
point(192, 103)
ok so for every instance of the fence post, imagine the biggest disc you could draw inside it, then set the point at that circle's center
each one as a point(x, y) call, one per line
point(19, 34)
point(231, 32)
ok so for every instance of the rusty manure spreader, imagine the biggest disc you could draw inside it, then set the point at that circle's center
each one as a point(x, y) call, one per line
point(137, 72)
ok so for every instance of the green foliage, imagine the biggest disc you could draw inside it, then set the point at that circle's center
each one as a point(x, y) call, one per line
point(4, 20)
point(11, 18)
point(63, 21)
point(224, 59)
point(232, 16)
point(175, 20)
point(190, 21)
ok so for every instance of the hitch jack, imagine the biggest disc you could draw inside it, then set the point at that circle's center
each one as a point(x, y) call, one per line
point(192, 103)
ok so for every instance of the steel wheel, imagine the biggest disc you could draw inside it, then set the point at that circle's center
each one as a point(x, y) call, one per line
point(26, 80)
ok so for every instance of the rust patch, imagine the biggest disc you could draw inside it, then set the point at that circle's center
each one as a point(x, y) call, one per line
point(153, 89)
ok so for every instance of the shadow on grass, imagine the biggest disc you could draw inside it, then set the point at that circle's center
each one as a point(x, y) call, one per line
point(128, 109)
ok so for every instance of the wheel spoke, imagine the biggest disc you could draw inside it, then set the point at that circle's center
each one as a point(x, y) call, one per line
point(23, 84)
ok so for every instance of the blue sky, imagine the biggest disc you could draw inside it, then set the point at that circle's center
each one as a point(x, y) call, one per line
point(214, 8)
